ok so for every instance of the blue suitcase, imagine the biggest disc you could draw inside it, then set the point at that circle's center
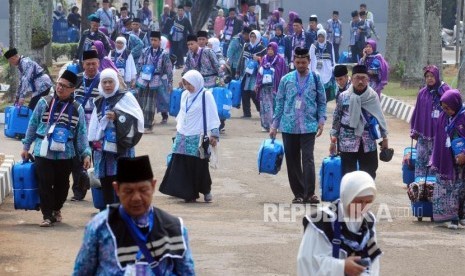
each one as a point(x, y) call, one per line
point(223, 99)
point(235, 88)
point(330, 178)
point(97, 198)
point(73, 67)
point(25, 187)
point(423, 208)
point(408, 170)
point(16, 121)
point(175, 102)
point(270, 156)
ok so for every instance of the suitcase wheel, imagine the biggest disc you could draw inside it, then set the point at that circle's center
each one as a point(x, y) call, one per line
point(420, 218)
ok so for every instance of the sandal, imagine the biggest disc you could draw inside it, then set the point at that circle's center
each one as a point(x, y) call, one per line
point(46, 223)
point(57, 216)
point(298, 200)
point(313, 199)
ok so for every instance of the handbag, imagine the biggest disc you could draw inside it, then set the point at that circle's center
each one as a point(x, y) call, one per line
point(268, 76)
point(251, 66)
point(373, 126)
point(458, 146)
point(204, 141)
point(60, 136)
point(147, 72)
point(109, 141)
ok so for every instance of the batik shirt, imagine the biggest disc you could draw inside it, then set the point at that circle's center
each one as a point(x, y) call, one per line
point(235, 50)
point(87, 88)
point(302, 114)
point(39, 126)
point(347, 140)
point(163, 73)
point(101, 254)
point(206, 63)
point(33, 78)
point(107, 19)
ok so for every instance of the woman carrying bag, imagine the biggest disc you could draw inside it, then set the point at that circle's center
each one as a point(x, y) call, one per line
point(197, 125)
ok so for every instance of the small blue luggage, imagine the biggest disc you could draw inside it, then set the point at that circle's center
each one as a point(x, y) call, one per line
point(330, 178)
point(97, 198)
point(408, 165)
point(223, 99)
point(270, 156)
point(25, 187)
point(175, 102)
point(16, 121)
point(235, 87)
point(420, 194)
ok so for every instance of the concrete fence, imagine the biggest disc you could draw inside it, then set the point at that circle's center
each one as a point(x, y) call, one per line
point(6, 180)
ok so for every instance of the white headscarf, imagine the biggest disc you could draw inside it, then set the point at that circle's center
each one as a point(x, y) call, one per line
point(108, 73)
point(215, 44)
point(122, 39)
point(321, 32)
point(259, 37)
point(195, 78)
point(353, 185)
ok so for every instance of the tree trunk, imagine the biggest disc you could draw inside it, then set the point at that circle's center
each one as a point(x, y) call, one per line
point(20, 37)
point(414, 43)
point(88, 7)
point(201, 13)
point(42, 18)
point(394, 31)
point(433, 19)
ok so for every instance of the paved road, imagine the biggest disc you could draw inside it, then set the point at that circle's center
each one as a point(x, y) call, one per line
point(230, 236)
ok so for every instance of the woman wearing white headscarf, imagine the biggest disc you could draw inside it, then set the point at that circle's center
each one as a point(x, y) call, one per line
point(357, 253)
point(124, 62)
point(187, 174)
point(115, 127)
point(249, 62)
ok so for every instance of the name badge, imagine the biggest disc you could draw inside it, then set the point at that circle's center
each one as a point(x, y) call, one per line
point(298, 104)
point(435, 114)
point(448, 142)
point(319, 65)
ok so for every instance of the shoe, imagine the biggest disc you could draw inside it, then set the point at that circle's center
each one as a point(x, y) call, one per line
point(313, 200)
point(208, 197)
point(57, 216)
point(265, 129)
point(76, 199)
point(164, 121)
point(462, 222)
point(298, 200)
point(453, 225)
point(190, 200)
point(148, 130)
point(46, 223)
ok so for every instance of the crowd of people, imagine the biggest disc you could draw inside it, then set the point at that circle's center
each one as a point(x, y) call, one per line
point(97, 117)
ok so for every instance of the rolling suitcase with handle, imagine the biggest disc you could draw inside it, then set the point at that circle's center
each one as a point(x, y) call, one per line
point(420, 194)
point(408, 164)
point(235, 88)
point(270, 156)
point(330, 178)
point(16, 121)
point(25, 186)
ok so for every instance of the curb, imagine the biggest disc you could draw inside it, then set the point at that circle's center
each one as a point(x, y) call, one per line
point(6, 180)
point(2, 118)
point(397, 108)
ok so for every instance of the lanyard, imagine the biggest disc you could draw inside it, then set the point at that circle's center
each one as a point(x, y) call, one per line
point(88, 89)
point(195, 98)
point(301, 89)
point(136, 229)
point(198, 60)
point(52, 111)
point(321, 51)
point(154, 58)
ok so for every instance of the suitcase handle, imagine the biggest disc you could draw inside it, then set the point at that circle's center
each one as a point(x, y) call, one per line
point(23, 113)
point(30, 158)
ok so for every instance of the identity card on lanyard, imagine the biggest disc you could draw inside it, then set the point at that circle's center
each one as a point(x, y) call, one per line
point(300, 90)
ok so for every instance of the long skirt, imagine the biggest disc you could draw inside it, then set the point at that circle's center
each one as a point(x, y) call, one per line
point(186, 177)
point(149, 100)
point(266, 106)
point(448, 200)
point(424, 149)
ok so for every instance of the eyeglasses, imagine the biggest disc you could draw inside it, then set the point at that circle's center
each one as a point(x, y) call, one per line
point(62, 85)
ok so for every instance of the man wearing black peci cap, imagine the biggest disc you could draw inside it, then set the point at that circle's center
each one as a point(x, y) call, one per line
point(154, 81)
point(334, 32)
point(300, 115)
point(203, 60)
point(58, 130)
point(313, 27)
point(32, 78)
point(178, 35)
point(85, 93)
point(139, 33)
point(351, 125)
point(341, 75)
point(300, 38)
point(90, 35)
point(234, 50)
point(202, 38)
point(135, 235)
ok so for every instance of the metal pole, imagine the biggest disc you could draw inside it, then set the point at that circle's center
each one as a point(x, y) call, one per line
point(457, 31)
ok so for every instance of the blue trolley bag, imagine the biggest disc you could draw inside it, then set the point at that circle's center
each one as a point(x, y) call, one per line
point(25, 187)
point(175, 102)
point(235, 87)
point(16, 121)
point(270, 156)
point(408, 164)
point(330, 178)
point(97, 198)
point(223, 99)
point(420, 194)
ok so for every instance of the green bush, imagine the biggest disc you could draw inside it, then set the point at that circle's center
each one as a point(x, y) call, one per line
point(67, 49)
